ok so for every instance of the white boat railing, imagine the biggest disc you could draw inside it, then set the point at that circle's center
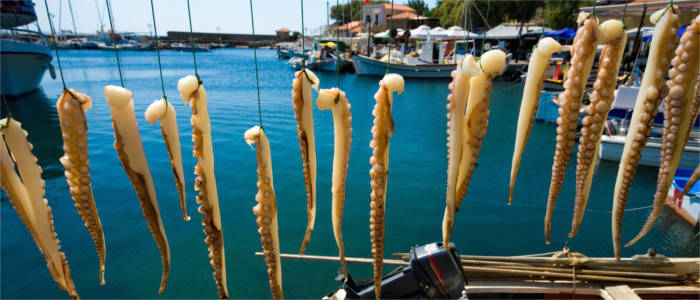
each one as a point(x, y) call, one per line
point(24, 35)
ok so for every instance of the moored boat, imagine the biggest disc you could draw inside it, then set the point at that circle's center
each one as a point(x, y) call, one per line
point(26, 54)
point(688, 206)
point(369, 66)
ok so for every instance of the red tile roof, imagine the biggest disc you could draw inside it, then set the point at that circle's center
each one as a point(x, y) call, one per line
point(282, 30)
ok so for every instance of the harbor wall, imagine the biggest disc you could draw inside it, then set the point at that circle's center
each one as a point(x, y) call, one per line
point(233, 39)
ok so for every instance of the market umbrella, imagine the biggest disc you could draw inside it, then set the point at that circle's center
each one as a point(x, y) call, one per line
point(456, 32)
point(420, 32)
point(438, 32)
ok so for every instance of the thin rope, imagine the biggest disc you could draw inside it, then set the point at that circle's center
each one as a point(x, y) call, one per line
point(114, 43)
point(544, 21)
point(255, 55)
point(160, 68)
point(624, 12)
point(194, 57)
point(55, 46)
point(303, 53)
point(486, 23)
point(391, 25)
point(7, 109)
point(337, 50)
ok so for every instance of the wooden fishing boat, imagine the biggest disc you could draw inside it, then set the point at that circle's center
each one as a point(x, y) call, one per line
point(555, 275)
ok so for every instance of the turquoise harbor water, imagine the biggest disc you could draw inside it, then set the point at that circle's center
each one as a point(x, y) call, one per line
point(485, 225)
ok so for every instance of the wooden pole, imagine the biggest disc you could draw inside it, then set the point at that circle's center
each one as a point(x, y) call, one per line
point(469, 269)
point(396, 262)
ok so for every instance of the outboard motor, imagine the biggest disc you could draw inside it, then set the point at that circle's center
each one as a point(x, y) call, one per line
point(433, 272)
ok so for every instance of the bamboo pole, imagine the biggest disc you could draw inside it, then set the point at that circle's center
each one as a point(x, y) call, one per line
point(566, 275)
point(395, 262)
point(593, 272)
point(579, 261)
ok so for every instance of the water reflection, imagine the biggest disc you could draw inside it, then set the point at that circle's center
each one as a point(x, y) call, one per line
point(39, 117)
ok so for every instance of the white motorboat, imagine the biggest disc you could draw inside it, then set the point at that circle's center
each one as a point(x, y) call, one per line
point(425, 65)
point(25, 53)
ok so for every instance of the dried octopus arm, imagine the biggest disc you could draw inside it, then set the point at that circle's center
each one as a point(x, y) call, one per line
point(27, 198)
point(457, 100)
point(677, 109)
point(191, 89)
point(382, 130)
point(539, 61)
point(71, 114)
point(266, 209)
point(690, 183)
point(582, 56)
point(476, 121)
point(613, 35)
point(164, 111)
point(651, 91)
point(335, 100)
point(304, 80)
point(133, 158)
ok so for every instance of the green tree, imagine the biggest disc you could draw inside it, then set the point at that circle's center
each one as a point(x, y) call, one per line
point(561, 14)
point(420, 6)
point(452, 12)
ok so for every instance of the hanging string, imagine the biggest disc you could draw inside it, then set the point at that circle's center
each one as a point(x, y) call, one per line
point(544, 22)
point(624, 12)
point(255, 56)
point(114, 42)
point(55, 46)
point(337, 49)
point(7, 109)
point(194, 57)
point(160, 68)
point(303, 39)
point(391, 25)
point(486, 24)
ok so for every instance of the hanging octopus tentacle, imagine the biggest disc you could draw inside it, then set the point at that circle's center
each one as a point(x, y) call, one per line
point(382, 130)
point(677, 109)
point(651, 91)
point(71, 114)
point(476, 120)
point(133, 158)
point(164, 111)
point(582, 56)
point(539, 61)
point(304, 80)
point(457, 100)
point(689, 183)
point(266, 209)
point(27, 198)
point(192, 90)
point(613, 35)
point(335, 100)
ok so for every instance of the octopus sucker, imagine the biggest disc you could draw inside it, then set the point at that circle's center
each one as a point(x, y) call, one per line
point(162, 110)
point(457, 100)
point(582, 56)
point(304, 80)
point(690, 182)
point(651, 91)
point(539, 61)
point(71, 113)
point(476, 122)
point(133, 158)
point(677, 110)
point(613, 36)
point(27, 198)
point(266, 209)
point(191, 89)
point(382, 130)
point(334, 99)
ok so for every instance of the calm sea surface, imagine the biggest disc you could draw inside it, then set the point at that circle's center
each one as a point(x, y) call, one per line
point(485, 225)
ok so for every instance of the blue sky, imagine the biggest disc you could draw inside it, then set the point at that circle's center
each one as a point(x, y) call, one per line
point(229, 16)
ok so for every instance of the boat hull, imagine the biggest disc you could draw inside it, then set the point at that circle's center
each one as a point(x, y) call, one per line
point(23, 66)
point(372, 67)
point(611, 148)
point(324, 65)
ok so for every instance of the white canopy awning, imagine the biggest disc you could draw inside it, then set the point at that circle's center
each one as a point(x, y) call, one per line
point(385, 34)
point(511, 31)
point(456, 32)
